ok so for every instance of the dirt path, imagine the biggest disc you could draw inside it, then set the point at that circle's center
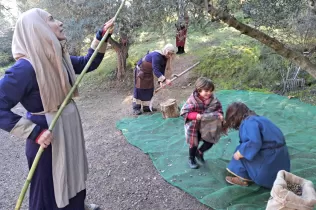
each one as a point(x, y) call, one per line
point(121, 176)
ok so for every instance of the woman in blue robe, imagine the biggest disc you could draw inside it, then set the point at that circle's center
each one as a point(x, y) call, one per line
point(262, 151)
point(40, 79)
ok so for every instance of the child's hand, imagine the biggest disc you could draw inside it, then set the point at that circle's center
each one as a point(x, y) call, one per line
point(198, 117)
point(220, 116)
point(225, 131)
point(237, 155)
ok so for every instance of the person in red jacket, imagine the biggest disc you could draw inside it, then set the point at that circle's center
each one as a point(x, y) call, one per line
point(181, 38)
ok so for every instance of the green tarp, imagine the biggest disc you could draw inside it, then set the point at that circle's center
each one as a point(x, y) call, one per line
point(163, 140)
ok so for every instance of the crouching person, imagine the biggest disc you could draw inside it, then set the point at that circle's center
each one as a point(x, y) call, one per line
point(262, 151)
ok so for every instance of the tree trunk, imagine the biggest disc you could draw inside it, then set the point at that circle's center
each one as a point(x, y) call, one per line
point(122, 55)
point(279, 47)
point(121, 49)
point(180, 11)
point(169, 109)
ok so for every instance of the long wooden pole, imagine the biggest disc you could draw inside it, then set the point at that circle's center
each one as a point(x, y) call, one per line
point(174, 78)
point(62, 107)
point(179, 75)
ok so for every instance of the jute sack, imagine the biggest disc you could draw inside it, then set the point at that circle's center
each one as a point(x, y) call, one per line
point(284, 199)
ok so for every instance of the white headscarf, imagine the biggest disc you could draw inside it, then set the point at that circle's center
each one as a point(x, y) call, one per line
point(34, 40)
point(168, 48)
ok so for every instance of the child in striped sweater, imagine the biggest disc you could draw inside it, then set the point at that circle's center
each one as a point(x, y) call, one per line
point(203, 116)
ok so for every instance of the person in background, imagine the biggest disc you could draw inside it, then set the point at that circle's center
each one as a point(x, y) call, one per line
point(40, 79)
point(203, 116)
point(154, 63)
point(181, 38)
point(262, 151)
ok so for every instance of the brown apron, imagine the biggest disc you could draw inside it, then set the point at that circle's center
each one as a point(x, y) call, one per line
point(144, 75)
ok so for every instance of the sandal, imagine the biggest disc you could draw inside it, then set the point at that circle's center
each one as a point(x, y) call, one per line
point(236, 181)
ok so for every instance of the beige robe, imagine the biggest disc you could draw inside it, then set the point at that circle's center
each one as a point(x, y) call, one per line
point(69, 160)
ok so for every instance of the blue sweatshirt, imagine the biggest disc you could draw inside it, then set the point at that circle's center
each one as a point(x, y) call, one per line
point(19, 84)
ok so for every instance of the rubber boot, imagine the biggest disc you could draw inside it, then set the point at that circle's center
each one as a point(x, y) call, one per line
point(136, 109)
point(192, 163)
point(199, 156)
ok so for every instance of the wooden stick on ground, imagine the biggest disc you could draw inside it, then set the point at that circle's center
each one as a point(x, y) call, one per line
point(178, 75)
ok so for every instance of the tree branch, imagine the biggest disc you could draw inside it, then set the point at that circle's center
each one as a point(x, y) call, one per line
point(3, 7)
point(114, 44)
point(279, 47)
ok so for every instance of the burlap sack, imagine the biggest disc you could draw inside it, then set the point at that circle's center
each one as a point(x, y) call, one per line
point(282, 198)
point(211, 130)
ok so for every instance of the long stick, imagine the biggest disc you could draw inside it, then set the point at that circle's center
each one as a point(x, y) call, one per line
point(179, 75)
point(63, 105)
point(174, 78)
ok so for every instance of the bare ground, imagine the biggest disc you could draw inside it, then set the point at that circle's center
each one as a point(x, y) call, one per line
point(121, 176)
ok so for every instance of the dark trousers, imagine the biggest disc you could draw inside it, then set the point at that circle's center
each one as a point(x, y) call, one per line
point(180, 50)
point(203, 148)
point(42, 189)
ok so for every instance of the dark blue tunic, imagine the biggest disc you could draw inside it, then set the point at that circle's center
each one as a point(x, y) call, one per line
point(158, 62)
point(265, 153)
point(19, 84)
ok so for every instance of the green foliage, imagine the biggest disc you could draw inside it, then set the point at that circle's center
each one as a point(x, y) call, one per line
point(241, 17)
point(6, 32)
point(274, 13)
point(238, 62)
point(226, 66)
point(232, 60)
point(307, 95)
point(105, 72)
point(5, 58)
point(4, 68)
point(232, 5)
point(83, 18)
point(147, 41)
point(290, 21)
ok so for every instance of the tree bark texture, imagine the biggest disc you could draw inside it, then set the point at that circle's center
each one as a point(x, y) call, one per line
point(121, 49)
point(273, 43)
point(170, 109)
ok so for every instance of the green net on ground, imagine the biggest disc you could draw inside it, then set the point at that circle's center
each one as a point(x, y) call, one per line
point(163, 140)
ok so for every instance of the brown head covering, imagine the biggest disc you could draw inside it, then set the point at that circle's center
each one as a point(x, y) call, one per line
point(34, 40)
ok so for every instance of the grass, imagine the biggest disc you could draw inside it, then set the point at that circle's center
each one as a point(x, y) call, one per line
point(106, 71)
point(231, 60)
point(4, 68)
point(213, 43)
point(102, 74)
point(307, 95)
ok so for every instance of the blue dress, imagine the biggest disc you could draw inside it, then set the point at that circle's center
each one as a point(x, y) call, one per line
point(19, 84)
point(264, 149)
